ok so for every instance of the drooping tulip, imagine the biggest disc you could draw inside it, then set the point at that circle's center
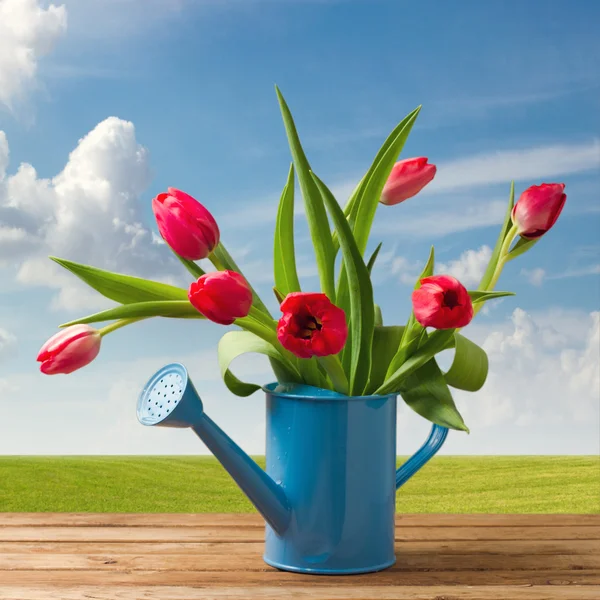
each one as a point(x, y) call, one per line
point(311, 325)
point(442, 302)
point(222, 296)
point(538, 209)
point(70, 349)
point(408, 178)
point(189, 228)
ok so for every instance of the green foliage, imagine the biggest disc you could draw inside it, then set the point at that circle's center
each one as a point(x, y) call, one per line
point(315, 210)
point(284, 256)
point(122, 288)
point(362, 310)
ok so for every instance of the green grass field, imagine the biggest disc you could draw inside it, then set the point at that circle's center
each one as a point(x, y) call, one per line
point(185, 484)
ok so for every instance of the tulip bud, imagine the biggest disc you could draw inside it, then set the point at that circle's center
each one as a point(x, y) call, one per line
point(69, 350)
point(442, 302)
point(189, 229)
point(408, 178)
point(538, 209)
point(222, 296)
point(311, 325)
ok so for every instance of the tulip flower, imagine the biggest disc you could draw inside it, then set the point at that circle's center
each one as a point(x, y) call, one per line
point(538, 209)
point(222, 296)
point(311, 325)
point(408, 178)
point(70, 349)
point(442, 302)
point(189, 228)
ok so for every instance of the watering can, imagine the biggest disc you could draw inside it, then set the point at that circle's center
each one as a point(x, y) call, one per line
point(328, 493)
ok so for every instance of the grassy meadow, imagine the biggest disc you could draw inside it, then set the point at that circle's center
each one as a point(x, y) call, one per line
point(486, 484)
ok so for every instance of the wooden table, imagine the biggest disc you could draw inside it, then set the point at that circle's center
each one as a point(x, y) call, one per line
point(187, 557)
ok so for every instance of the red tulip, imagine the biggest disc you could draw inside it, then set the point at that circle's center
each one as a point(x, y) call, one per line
point(311, 325)
point(408, 178)
point(189, 229)
point(222, 296)
point(442, 302)
point(538, 208)
point(69, 350)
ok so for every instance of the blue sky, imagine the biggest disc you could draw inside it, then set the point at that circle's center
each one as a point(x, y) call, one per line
point(114, 103)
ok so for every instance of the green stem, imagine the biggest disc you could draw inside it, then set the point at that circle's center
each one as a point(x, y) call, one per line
point(216, 262)
point(118, 324)
point(333, 366)
point(502, 260)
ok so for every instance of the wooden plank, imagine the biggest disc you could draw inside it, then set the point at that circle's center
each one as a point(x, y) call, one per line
point(221, 560)
point(271, 576)
point(487, 547)
point(30, 592)
point(248, 520)
point(252, 534)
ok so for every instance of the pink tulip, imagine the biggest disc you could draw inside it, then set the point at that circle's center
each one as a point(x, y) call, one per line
point(189, 229)
point(222, 296)
point(538, 209)
point(442, 302)
point(408, 178)
point(69, 350)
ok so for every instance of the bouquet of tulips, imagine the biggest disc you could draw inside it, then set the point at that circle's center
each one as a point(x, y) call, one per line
point(335, 337)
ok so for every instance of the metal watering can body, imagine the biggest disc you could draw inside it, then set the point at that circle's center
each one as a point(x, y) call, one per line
point(328, 494)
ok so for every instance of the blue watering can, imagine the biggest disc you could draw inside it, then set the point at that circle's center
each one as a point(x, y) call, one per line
point(328, 494)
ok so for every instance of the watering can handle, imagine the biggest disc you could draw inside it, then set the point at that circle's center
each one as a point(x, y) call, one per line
point(434, 442)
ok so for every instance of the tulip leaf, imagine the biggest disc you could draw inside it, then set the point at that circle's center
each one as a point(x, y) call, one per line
point(316, 215)
point(235, 343)
point(385, 344)
point(522, 245)
point(506, 225)
point(227, 261)
point(176, 309)
point(368, 195)
point(284, 257)
point(350, 213)
point(434, 343)
point(122, 288)
point(378, 316)
point(373, 258)
point(479, 296)
point(427, 393)
point(361, 318)
point(469, 368)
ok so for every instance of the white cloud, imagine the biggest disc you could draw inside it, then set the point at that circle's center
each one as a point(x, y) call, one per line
point(443, 221)
point(27, 32)
point(90, 212)
point(539, 370)
point(470, 267)
point(503, 166)
point(7, 343)
point(538, 276)
point(534, 276)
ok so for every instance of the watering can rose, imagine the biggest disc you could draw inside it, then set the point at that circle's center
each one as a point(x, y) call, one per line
point(442, 302)
point(69, 350)
point(408, 178)
point(311, 325)
point(222, 297)
point(189, 228)
point(538, 209)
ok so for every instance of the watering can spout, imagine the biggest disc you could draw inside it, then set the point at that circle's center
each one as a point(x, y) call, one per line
point(169, 399)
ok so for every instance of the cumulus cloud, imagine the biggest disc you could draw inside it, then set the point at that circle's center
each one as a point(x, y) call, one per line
point(539, 369)
point(469, 267)
point(27, 32)
point(90, 212)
